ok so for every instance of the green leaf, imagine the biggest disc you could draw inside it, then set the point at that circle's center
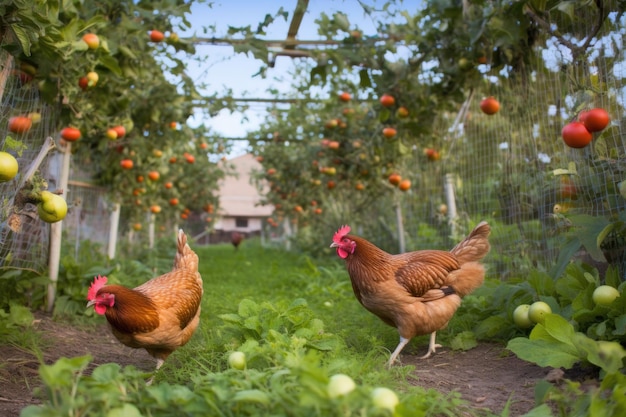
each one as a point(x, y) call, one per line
point(111, 64)
point(607, 355)
point(464, 341)
point(364, 79)
point(542, 411)
point(558, 328)
point(22, 37)
point(252, 395)
point(248, 308)
point(542, 352)
point(62, 372)
point(127, 410)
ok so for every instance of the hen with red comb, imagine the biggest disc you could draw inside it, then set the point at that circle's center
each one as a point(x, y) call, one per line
point(159, 316)
point(415, 292)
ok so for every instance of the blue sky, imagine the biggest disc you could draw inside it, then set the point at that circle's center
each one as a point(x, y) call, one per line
point(224, 69)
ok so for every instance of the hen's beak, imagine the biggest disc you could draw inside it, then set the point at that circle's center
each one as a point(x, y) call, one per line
point(334, 245)
point(91, 303)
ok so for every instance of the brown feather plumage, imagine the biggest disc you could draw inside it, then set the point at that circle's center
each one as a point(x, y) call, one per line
point(416, 292)
point(160, 315)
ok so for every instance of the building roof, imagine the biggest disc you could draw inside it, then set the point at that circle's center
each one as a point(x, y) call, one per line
point(238, 195)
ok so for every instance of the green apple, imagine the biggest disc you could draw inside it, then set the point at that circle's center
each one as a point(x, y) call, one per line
point(340, 385)
point(52, 207)
point(538, 311)
point(8, 166)
point(604, 295)
point(520, 316)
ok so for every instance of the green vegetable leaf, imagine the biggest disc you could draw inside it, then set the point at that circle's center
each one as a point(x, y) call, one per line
point(542, 352)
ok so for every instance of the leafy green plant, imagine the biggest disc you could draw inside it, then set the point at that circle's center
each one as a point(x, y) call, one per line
point(555, 343)
point(268, 332)
point(302, 388)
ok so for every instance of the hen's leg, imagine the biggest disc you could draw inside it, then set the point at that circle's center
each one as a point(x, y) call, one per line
point(394, 355)
point(158, 365)
point(431, 346)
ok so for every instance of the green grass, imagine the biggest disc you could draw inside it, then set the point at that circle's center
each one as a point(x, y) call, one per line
point(297, 321)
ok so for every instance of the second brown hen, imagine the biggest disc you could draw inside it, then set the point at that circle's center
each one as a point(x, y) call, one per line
point(415, 292)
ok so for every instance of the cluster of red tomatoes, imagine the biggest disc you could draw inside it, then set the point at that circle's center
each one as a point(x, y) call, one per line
point(579, 134)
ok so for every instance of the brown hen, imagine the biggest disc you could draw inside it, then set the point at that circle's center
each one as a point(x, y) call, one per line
point(160, 315)
point(415, 292)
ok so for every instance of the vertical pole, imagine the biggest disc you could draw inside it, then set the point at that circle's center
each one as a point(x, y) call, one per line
point(113, 228)
point(151, 231)
point(400, 227)
point(56, 230)
point(449, 190)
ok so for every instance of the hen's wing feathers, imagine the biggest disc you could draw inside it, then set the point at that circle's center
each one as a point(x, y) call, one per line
point(425, 270)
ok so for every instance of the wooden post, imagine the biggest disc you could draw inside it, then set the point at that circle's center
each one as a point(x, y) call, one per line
point(56, 230)
point(400, 227)
point(113, 228)
point(450, 192)
point(151, 231)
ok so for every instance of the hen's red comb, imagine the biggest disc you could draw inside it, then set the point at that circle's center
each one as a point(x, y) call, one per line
point(339, 234)
point(98, 283)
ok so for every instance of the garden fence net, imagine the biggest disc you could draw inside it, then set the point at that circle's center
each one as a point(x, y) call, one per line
point(24, 238)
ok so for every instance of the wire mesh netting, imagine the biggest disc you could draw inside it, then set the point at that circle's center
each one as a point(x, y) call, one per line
point(513, 169)
point(24, 238)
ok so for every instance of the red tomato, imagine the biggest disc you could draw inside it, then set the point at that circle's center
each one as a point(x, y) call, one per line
point(389, 132)
point(576, 135)
point(595, 120)
point(126, 163)
point(490, 105)
point(395, 179)
point(20, 124)
point(387, 100)
point(70, 134)
point(120, 130)
point(404, 185)
point(156, 36)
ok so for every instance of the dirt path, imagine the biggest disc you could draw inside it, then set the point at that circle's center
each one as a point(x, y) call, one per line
point(486, 376)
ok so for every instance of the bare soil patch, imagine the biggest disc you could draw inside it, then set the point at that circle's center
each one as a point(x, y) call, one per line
point(486, 376)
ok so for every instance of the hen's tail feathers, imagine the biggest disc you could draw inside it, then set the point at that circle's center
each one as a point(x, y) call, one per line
point(475, 246)
point(466, 279)
point(185, 257)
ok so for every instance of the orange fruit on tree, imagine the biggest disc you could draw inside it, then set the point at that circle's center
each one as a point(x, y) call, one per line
point(156, 36)
point(92, 40)
point(595, 120)
point(490, 105)
point(394, 179)
point(387, 100)
point(126, 163)
point(20, 124)
point(404, 185)
point(120, 130)
point(576, 135)
point(345, 97)
point(70, 134)
point(389, 132)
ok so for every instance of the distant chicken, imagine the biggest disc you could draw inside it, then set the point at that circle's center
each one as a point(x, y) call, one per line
point(235, 239)
point(159, 316)
point(415, 292)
